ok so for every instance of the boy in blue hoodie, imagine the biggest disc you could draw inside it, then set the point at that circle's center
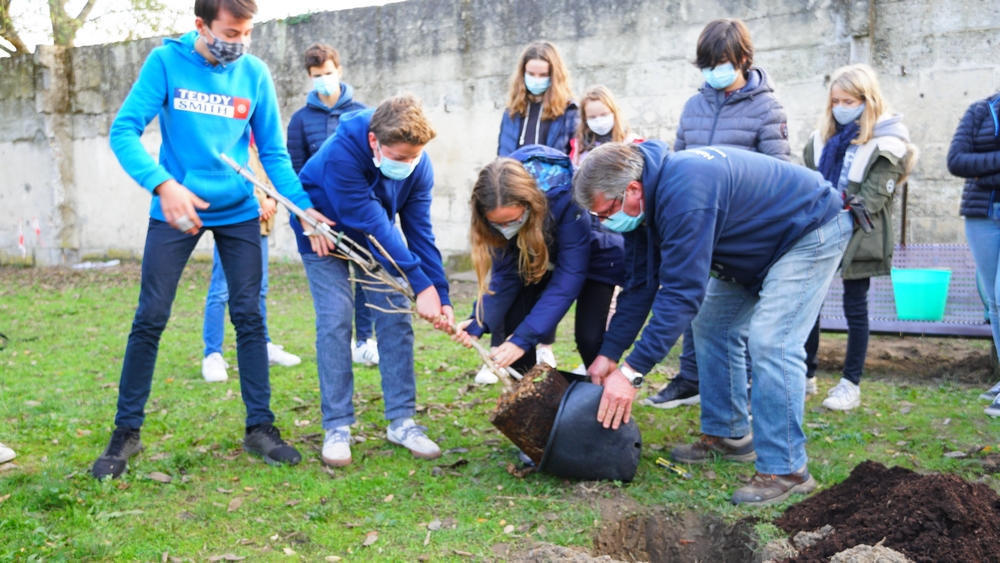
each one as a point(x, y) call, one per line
point(371, 170)
point(309, 127)
point(743, 245)
point(208, 95)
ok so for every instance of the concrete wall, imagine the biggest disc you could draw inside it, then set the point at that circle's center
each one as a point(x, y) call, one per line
point(934, 56)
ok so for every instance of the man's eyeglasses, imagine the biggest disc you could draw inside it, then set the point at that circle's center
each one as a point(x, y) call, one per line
point(606, 214)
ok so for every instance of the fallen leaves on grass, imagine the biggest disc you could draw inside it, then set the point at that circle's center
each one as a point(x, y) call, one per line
point(117, 514)
point(370, 538)
point(520, 473)
point(5, 497)
point(292, 502)
point(434, 525)
point(160, 477)
point(956, 455)
point(508, 529)
point(235, 504)
point(289, 551)
point(388, 498)
point(7, 466)
point(500, 549)
point(226, 557)
point(457, 451)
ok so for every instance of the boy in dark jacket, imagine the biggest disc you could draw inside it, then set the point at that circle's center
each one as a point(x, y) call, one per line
point(720, 237)
point(736, 107)
point(208, 95)
point(975, 155)
point(309, 127)
point(372, 170)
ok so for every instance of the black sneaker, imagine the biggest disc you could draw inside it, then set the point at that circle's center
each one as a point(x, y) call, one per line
point(125, 443)
point(679, 392)
point(265, 440)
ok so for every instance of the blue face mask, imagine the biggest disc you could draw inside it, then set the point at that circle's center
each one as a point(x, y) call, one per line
point(327, 84)
point(394, 169)
point(721, 76)
point(510, 230)
point(622, 222)
point(536, 86)
point(847, 115)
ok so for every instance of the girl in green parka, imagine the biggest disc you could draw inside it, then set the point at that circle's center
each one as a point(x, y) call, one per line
point(864, 150)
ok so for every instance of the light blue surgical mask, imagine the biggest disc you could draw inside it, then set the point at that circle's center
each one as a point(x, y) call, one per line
point(622, 222)
point(394, 169)
point(510, 230)
point(536, 86)
point(721, 76)
point(847, 115)
point(327, 84)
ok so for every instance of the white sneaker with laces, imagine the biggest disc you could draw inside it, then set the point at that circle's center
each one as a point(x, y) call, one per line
point(366, 353)
point(843, 397)
point(6, 454)
point(276, 355)
point(411, 436)
point(486, 376)
point(213, 368)
point(811, 387)
point(545, 355)
point(337, 447)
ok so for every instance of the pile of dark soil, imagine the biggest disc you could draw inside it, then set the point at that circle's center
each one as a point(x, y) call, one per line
point(930, 518)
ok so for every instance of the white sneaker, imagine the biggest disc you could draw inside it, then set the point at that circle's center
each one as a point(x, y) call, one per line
point(486, 376)
point(366, 353)
point(337, 447)
point(811, 387)
point(843, 397)
point(545, 355)
point(213, 368)
point(412, 437)
point(6, 454)
point(276, 355)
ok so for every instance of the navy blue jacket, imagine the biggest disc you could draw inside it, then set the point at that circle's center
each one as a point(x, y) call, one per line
point(345, 185)
point(726, 212)
point(315, 122)
point(578, 247)
point(561, 131)
point(975, 155)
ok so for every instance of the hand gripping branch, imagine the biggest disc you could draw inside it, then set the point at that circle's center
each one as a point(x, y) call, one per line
point(347, 249)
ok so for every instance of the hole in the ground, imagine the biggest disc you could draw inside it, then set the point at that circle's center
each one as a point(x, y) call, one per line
point(687, 537)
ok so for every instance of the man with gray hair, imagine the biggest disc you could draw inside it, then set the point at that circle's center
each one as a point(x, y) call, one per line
point(744, 245)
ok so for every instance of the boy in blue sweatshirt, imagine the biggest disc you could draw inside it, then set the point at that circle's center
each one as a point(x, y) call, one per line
point(743, 245)
point(371, 170)
point(208, 94)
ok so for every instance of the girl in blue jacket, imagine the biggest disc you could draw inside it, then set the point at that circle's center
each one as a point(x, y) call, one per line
point(540, 107)
point(544, 252)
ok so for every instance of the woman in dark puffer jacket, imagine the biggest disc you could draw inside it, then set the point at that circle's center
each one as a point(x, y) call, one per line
point(975, 155)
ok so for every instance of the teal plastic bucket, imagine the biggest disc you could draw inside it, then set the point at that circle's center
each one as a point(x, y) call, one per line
point(920, 294)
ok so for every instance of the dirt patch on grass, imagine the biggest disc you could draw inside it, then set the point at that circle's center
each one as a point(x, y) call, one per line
point(916, 358)
point(660, 536)
point(936, 518)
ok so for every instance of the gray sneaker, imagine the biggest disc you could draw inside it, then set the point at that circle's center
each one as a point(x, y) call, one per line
point(994, 409)
point(125, 443)
point(716, 447)
point(411, 436)
point(991, 394)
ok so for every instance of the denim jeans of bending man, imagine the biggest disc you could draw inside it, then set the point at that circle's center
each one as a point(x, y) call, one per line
point(856, 312)
point(983, 235)
point(333, 300)
point(363, 321)
point(166, 253)
point(774, 323)
point(213, 330)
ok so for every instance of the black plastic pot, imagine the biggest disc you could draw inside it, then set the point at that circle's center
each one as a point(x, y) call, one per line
point(579, 447)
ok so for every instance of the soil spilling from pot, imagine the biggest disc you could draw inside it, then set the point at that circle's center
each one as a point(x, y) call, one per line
point(526, 414)
point(929, 518)
point(676, 538)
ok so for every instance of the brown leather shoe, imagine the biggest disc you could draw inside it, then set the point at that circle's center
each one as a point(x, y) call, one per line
point(769, 489)
point(712, 447)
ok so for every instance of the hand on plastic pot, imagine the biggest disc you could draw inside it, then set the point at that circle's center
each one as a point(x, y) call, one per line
point(601, 368)
point(616, 402)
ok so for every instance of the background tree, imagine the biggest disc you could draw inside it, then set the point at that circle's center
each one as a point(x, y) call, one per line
point(61, 20)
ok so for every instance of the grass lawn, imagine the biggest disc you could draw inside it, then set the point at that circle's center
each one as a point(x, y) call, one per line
point(58, 388)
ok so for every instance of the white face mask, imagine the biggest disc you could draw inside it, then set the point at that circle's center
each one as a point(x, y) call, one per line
point(602, 125)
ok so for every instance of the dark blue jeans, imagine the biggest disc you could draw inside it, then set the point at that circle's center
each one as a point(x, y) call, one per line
point(166, 253)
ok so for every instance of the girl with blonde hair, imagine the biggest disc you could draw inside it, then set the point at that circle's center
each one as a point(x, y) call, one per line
point(602, 122)
point(540, 107)
point(535, 251)
point(864, 150)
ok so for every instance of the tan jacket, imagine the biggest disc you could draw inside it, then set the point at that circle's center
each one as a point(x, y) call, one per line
point(258, 170)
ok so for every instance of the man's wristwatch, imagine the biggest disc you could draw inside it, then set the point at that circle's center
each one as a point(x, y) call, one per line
point(634, 377)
